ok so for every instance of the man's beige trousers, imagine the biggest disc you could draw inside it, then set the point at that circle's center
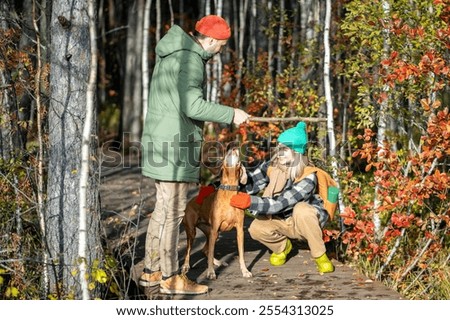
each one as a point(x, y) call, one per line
point(161, 245)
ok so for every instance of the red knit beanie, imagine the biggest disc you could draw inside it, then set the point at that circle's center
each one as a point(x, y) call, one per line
point(213, 26)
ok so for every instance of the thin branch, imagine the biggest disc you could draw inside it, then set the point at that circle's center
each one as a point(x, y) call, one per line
point(114, 30)
point(416, 260)
point(433, 166)
point(40, 158)
point(446, 261)
point(391, 254)
point(16, 189)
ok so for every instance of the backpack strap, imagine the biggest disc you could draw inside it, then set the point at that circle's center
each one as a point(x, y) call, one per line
point(324, 181)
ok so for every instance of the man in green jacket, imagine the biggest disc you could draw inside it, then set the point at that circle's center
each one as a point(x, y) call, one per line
point(172, 140)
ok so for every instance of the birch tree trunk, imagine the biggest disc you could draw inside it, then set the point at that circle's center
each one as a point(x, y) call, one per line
point(214, 69)
point(85, 152)
point(70, 61)
point(382, 122)
point(327, 85)
point(329, 99)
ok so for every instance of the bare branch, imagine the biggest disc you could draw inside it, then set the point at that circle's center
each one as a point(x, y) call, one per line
point(391, 254)
point(272, 119)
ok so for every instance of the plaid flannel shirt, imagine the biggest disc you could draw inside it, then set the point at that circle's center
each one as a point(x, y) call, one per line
point(283, 204)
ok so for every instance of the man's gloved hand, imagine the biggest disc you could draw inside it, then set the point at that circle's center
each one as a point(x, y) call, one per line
point(241, 200)
point(240, 116)
point(203, 193)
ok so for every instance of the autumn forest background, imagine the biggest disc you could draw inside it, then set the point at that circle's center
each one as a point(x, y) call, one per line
point(370, 78)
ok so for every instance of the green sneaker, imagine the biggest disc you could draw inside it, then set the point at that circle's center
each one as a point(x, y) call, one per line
point(278, 259)
point(324, 265)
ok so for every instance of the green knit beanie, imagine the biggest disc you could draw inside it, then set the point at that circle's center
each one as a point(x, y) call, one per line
point(295, 138)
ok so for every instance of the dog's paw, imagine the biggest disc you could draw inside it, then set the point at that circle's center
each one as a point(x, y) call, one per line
point(211, 275)
point(247, 274)
point(185, 269)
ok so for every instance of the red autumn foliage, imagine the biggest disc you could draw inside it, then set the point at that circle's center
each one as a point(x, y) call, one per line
point(411, 189)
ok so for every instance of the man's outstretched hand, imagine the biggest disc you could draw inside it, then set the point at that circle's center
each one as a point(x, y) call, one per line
point(240, 116)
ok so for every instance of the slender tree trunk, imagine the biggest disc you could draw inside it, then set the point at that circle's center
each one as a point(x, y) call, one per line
point(241, 36)
point(327, 85)
point(295, 39)
point(132, 100)
point(172, 17)
point(252, 49)
point(40, 158)
point(181, 9)
point(270, 56)
point(329, 99)
point(258, 31)
point(158, 21)
point(102, 73)
point(280, 46)
point(211, 90)
point(86, 152)
point(145, 52)
point(382, 122)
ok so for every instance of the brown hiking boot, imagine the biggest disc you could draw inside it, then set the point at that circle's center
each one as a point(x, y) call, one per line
point(150, 279)
point(180, 284)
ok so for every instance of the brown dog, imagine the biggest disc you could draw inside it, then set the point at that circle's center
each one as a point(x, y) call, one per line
point(216, 214)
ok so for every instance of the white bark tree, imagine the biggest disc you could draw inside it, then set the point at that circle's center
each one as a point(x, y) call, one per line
point(329, 98)
point(86, 152)
point(326, 78)
point(382, 119)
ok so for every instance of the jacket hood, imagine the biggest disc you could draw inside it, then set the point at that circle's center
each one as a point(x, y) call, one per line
point(177, 40)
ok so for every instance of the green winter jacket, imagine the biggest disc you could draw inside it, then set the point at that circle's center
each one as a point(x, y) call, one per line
point(173, 128)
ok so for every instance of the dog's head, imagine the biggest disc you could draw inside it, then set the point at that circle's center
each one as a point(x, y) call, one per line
point(233, 171)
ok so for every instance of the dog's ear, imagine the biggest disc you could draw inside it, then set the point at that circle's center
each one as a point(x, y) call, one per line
point(243, 175)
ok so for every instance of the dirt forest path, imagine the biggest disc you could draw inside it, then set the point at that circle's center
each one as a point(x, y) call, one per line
point(127, 201)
